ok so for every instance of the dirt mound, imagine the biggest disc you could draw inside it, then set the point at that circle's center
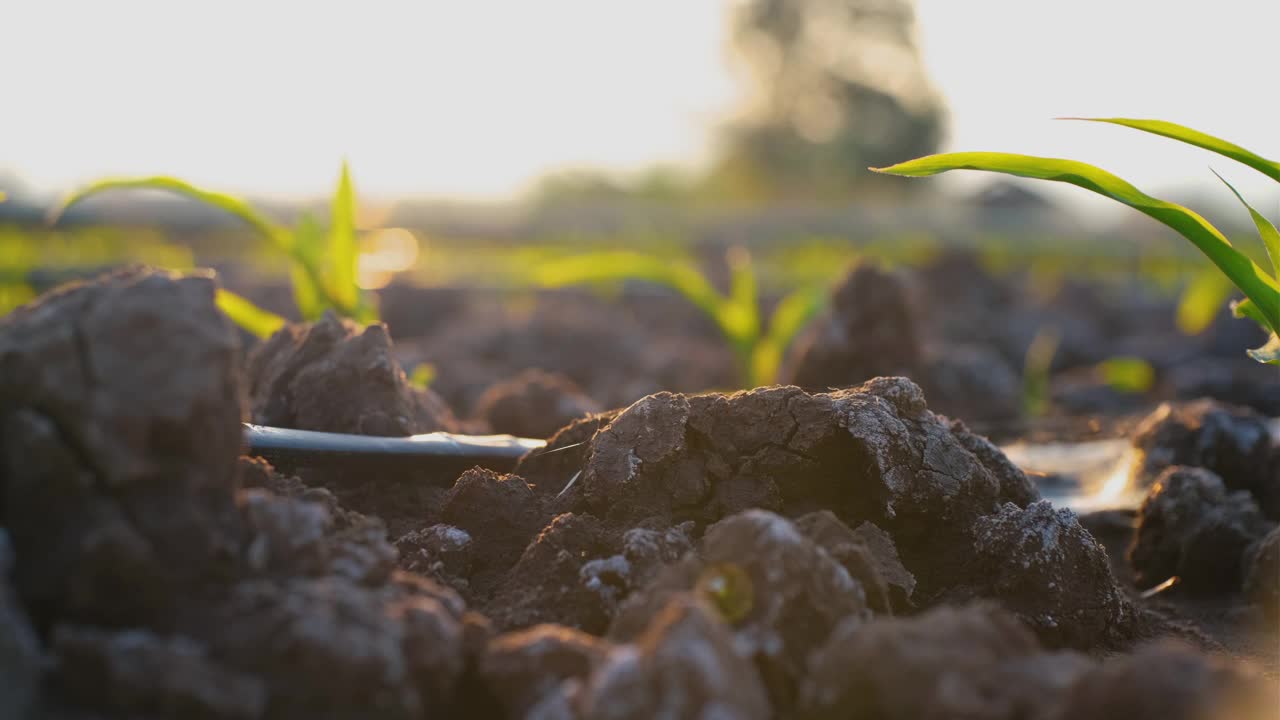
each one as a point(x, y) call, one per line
point(1169, 681)
point(334, 376)
point(868, 330)
point(21, 661)
point(684, 665)
point(780, 592)
point(605, 350)
point(1233, 442)
point(525, 669)
point(1041, 564)
point(870, 454)
point(1191, 527)
point(157, 586)
point(533, 404)
point(120, 417)
point(1262, 575)
point(971, 662)
point(871, 329)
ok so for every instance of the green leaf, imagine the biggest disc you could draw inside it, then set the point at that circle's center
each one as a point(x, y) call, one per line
point(1247, 276)
point(308, 244)
point(1270, 236)
point(277, 235)
point(792, 314)
point(1270, 168)
point(422, 376)
point(252, 318)
point(1266, 353)
point(1269, 353)
point(740, 314)
point(1127, 374)
point(343, 245)
point(305, 246)
point(1200, 302)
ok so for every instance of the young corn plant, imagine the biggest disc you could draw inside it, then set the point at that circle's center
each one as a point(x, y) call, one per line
point(757, 349)
point(322, 262)
point(1260, 288)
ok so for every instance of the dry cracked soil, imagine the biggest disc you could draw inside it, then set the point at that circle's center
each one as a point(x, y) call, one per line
point(775, 553)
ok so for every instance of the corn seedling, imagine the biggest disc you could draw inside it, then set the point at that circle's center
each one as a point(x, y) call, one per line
point(323, 263)
point(1260, 288)
point(758, 351)
point(1036, 371)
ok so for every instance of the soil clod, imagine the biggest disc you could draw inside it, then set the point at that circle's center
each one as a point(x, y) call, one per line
point(1191, 527)
point(334, 376)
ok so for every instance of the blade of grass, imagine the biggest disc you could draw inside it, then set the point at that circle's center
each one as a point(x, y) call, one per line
point(793, 312)
point(1242, 271)
point(1181, 133)
point(309, 246)
point(278, 236)
point(343, 250)
point(1267, 231)
point(259, 322)
point(739, 314)
point(227, 203)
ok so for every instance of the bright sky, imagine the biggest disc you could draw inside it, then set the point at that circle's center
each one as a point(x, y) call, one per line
point(476, 98)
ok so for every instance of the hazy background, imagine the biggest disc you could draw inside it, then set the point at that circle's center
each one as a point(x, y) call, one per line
point(482, 100)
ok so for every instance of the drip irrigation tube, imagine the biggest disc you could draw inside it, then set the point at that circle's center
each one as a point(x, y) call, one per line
point(1091, 475)
point(308, 448)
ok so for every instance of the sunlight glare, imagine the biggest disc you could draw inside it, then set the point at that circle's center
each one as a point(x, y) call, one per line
point(384, 253)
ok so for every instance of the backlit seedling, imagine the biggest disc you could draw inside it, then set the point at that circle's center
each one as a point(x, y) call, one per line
point(323, 264)
point(1261, 289)
point(758, 351)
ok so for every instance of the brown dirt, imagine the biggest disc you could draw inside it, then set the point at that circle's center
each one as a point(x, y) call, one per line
point(771, 553)
point(337, 377)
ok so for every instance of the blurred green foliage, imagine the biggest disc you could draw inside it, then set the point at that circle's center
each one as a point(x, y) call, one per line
point(1127, 374)
point(1036, 368)
point(423, 375)
point(71, 253)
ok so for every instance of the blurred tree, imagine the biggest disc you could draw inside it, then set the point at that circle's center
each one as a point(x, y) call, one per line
point(840, 86)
